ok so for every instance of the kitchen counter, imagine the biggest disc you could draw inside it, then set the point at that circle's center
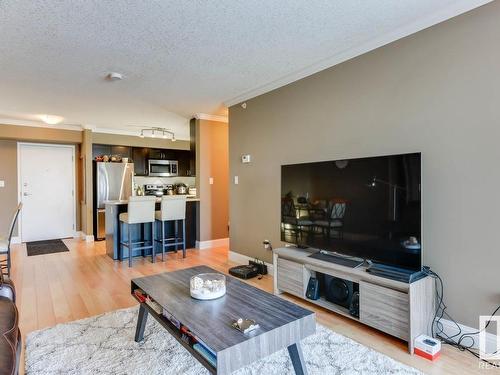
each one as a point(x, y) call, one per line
point(114, 235)
point(158, 200)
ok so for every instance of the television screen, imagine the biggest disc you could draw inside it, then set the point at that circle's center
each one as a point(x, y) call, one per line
point(368, 208)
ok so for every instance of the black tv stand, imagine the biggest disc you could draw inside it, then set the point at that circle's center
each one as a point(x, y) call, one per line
point(337, 258)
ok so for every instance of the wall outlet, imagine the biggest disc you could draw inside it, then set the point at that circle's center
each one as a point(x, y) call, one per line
point(236, 180)
point(2, 183)
point(246, 158)
point(211, 180)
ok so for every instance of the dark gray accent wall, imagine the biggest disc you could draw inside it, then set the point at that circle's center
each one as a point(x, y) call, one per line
point(437, 92)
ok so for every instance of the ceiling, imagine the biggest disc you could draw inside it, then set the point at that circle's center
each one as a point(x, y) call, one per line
point(180, 58)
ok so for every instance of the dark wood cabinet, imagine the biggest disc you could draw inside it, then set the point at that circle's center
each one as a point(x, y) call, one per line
point(123, 151)
point(110, 150)
point(140, 156)
point(98, 150)
point(184, 163)
point(192, 147)
point(163, 154)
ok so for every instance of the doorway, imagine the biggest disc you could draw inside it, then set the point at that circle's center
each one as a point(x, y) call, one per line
point(46, 187)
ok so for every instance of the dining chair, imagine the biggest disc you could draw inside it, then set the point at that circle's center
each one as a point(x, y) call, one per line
point(5, 243)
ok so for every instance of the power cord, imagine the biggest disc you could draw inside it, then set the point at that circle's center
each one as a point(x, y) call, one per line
point(456, 340)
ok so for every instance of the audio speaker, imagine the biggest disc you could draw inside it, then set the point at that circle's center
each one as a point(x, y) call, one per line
point(354, 308)
point(312, 291)
point(339, 291)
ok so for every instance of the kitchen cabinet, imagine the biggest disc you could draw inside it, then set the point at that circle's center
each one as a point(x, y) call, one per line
point(184, 158)
point(123, 151)
point(162, 154)
point(140, 156)
point(98, 150)
point(192, 147)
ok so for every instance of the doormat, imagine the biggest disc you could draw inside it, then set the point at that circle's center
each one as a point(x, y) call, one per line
point(45, 247)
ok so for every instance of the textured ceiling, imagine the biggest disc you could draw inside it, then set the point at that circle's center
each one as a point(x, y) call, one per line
point(182, 57)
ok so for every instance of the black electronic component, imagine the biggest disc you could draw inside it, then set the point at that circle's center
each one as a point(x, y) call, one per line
point(244, 271)
point(312, 291)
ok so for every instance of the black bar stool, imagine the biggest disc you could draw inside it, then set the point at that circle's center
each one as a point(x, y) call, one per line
point(173, 208)
point(141, 210)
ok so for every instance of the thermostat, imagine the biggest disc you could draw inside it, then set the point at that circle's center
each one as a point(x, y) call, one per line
point(245, 158)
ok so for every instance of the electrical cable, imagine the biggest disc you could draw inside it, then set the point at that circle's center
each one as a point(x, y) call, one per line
point(456, 340)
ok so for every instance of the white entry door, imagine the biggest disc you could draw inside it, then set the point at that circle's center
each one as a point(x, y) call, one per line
point(46, 188)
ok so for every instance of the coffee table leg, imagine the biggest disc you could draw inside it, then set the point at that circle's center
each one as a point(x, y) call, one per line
point(297, 359)
point(141, 323)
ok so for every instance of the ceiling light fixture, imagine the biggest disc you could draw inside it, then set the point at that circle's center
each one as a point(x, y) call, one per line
point(114, 76)
point(164, 133)
point(51, 119)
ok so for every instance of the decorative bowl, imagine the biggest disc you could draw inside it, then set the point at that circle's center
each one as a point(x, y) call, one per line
point(207, 286)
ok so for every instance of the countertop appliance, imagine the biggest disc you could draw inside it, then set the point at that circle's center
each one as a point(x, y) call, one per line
point(181, 189)
point(163, 168)
point(158, 190)
point(112, 181)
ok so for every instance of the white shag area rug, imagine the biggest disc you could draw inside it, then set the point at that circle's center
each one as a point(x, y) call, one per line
point(104, 344)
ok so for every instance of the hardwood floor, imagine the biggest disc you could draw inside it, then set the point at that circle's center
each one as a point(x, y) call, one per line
point(62, 287)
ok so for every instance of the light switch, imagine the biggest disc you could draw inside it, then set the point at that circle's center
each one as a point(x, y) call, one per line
point(211, 180)
point(2, 183)
point(236, 180)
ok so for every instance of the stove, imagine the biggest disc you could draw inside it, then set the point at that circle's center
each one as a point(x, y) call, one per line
point(157, 190)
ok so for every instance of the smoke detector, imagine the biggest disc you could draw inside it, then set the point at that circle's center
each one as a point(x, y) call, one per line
point(114, 76)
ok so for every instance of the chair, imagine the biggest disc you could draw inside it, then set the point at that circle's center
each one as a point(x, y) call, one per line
point(5, 243)
point(141, 210)
point(173, 208)
point(335, 219)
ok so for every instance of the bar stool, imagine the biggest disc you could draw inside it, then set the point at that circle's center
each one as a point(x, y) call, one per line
point(173, 208)
point(141, 210)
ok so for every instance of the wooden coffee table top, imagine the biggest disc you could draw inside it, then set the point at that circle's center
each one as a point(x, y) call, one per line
point(211, 320)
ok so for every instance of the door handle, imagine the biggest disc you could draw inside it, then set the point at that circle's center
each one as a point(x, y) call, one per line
point(26, 194)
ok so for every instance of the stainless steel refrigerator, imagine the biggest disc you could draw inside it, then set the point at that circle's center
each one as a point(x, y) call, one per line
point(112, 181)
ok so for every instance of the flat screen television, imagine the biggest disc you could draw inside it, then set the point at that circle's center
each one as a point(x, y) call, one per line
point(368, 208)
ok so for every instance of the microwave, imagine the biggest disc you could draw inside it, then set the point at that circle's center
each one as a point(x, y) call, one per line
point(162, 168)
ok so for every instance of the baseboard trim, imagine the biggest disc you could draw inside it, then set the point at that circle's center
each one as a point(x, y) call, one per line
point(84, 237)
point(89, 238)
point(15, 240)
point(450, 329)
point(219, 242)
point(243, 259)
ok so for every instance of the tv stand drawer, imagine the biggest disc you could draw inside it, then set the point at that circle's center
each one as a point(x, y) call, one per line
point(385, 309)
point(290, 277)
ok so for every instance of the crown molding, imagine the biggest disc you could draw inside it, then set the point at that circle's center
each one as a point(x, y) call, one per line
point(204, 116)
point(39, 124)
point(451, 11)
point(97, 129)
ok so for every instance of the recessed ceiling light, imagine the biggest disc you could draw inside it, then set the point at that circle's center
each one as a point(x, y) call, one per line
point(51, 119)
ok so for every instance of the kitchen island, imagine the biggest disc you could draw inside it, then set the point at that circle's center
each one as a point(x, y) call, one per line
point(114, 235)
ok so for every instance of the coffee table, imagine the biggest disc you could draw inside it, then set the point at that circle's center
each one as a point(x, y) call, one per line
point(282, 324)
